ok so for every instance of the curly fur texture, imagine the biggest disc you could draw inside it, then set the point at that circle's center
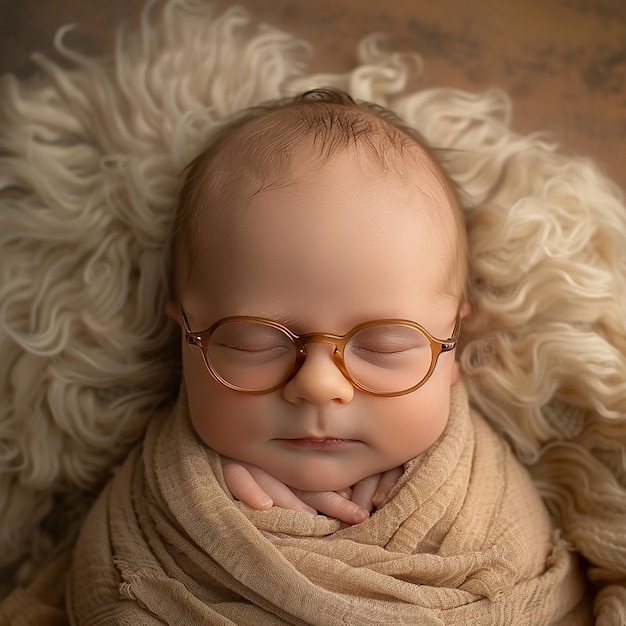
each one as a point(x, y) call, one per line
point(92, 155)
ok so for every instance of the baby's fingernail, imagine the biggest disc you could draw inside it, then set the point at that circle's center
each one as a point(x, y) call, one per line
point(360, 516)
point(265, 504)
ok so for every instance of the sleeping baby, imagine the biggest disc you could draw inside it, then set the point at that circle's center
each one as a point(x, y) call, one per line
point(323, 464)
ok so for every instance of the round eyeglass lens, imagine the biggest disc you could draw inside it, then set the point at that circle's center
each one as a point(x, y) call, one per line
point(250, 355)
point(388, 358)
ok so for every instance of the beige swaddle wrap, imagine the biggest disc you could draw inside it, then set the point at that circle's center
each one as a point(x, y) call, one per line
point(463, 537)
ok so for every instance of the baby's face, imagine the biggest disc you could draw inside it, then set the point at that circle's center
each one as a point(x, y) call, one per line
point(338, 246)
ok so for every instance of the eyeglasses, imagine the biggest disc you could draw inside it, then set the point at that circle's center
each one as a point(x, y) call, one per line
point(389, 357)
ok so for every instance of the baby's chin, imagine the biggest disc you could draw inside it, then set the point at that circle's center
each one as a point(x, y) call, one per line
point(325, 481)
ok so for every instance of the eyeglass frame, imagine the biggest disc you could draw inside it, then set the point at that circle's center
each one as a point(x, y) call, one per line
point(437, 347)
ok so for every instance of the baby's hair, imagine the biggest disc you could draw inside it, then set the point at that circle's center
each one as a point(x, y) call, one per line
point(254, 150)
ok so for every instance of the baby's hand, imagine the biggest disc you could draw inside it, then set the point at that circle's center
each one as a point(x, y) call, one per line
point(371, 492)
point(261, 490)
point(258, 489)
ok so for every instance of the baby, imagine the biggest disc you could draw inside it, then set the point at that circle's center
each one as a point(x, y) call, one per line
point(319, 277)
point(318, 223)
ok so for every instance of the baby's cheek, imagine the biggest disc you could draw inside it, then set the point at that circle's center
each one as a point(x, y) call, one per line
point(456, 372)
point(432, 410)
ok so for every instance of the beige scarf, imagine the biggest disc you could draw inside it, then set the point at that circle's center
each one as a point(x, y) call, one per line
point(462, 539)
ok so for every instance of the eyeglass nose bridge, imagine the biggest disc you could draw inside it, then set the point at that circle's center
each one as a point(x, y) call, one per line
point(337, 341)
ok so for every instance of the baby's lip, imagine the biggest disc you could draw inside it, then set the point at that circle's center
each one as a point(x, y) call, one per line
point(319, 443)
point(315, 437)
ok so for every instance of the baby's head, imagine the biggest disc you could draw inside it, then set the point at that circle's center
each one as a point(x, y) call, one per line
point(316, 216)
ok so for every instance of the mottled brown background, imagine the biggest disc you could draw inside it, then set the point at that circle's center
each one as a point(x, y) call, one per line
point(562, 61)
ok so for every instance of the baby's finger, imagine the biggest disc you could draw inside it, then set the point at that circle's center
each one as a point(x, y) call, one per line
point(387, 480)
point(244, 487)
point(280, 493)
point(334, 505)
point(363, 491)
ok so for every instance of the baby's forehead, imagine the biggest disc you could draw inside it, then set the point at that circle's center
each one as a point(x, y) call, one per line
point(300, 146)
point(295, 143)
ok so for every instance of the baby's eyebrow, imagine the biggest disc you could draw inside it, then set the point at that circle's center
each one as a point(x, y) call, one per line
point(293, 323)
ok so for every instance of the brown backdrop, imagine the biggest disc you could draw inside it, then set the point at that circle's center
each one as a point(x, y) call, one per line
point(562, 61)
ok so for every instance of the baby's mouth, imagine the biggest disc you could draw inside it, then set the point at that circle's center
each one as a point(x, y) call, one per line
point(323, 443)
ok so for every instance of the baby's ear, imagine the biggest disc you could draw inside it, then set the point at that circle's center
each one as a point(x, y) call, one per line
point(171, 310)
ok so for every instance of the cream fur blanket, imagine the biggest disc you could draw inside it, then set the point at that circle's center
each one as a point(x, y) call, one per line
point(91, 155)
point(463, 537)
